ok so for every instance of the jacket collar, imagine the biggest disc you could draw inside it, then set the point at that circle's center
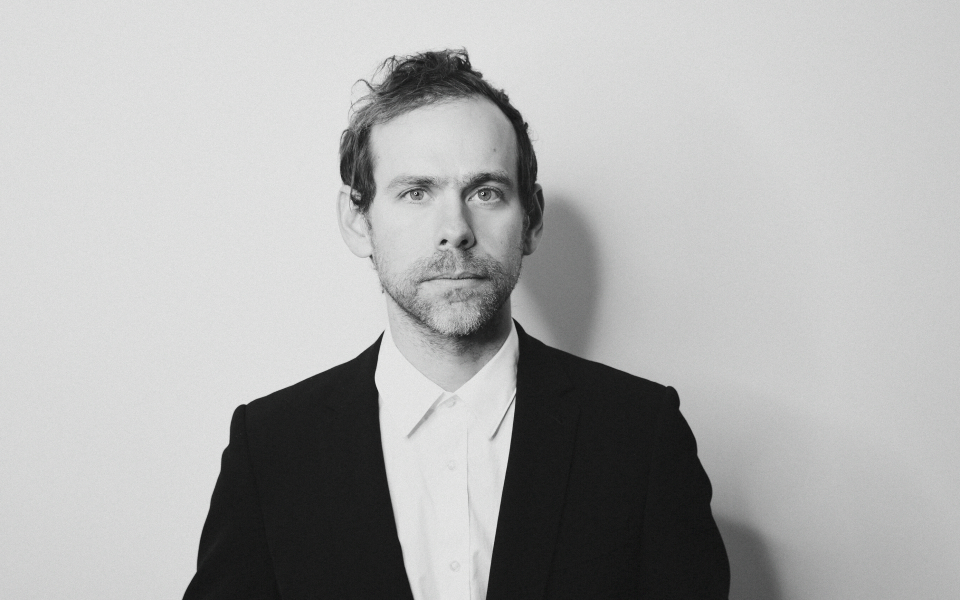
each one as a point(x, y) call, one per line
point(534, 490)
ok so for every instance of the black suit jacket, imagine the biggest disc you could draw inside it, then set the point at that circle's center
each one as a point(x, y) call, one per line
point(604, 496)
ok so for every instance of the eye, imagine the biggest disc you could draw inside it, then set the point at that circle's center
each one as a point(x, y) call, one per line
point(487, 195)
point(417, 195)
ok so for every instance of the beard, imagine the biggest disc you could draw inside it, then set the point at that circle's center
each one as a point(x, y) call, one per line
point(455, 311)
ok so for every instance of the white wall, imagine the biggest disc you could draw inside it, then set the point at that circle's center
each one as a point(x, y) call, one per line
point(754, 202)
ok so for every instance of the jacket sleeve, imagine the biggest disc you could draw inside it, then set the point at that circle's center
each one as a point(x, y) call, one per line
point(682, 553)
point(234, 561)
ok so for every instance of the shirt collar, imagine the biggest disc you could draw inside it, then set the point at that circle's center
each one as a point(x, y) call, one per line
point(408, 398)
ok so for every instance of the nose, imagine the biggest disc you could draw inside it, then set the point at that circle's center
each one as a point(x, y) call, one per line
point(454, 230)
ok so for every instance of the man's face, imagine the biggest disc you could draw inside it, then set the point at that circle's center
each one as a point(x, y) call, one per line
point(447, 223)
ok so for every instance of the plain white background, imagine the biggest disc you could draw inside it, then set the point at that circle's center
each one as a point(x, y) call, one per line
point(755, 203)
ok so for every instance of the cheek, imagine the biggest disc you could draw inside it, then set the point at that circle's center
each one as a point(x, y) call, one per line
point(398, 228)
point(509, 239)
point(395, 250)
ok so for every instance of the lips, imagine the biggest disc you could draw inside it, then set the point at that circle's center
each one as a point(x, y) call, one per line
point(457, 276)
point(454, 266)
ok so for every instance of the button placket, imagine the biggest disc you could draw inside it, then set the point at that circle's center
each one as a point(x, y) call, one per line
point(455, 524)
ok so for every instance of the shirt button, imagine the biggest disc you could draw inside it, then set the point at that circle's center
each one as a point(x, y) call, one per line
point(452, 465)
point(454, 566)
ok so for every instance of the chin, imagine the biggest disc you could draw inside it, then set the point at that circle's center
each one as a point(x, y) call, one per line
point(455, 312)
point(460, 321)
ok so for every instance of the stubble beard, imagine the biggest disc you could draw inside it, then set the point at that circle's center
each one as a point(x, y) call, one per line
point(457, 312)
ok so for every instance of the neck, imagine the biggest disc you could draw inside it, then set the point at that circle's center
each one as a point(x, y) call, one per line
point(448, 361)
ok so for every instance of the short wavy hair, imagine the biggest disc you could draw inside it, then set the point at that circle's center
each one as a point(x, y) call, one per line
point(404, 83)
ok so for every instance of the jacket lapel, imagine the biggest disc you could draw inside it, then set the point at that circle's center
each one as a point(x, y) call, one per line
point(371, 546)
point(544, 429)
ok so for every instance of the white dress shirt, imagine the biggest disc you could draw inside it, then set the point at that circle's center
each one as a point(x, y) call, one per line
point(446, 456)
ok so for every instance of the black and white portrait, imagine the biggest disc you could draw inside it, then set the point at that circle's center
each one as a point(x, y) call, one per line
point(753, 206)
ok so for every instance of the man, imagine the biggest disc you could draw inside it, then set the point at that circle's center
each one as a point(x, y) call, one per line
point(457, 457)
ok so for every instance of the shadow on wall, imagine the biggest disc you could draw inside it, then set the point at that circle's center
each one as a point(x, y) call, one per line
point(563, 280)
point(752, 574)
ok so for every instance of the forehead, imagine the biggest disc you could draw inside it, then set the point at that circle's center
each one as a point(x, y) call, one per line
point(449, 139)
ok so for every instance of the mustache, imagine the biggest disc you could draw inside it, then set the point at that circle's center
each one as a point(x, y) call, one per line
point(447, 262)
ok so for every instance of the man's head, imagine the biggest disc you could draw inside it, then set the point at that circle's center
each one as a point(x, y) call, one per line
point(444, 215)
point(412, 82)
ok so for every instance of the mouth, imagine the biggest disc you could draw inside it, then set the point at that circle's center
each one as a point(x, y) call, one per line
point(455, 276)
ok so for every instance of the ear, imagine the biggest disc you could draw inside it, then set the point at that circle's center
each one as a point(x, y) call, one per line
point(531, 237)
point(353, 224)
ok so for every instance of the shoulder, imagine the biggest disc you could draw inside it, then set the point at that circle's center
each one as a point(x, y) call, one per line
point(616, 409)
point(602, 383)
point(315, 394)
point(608, 379)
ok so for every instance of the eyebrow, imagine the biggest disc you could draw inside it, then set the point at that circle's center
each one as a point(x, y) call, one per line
point(473, 180)
point(414, 181)
point(500, 177)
